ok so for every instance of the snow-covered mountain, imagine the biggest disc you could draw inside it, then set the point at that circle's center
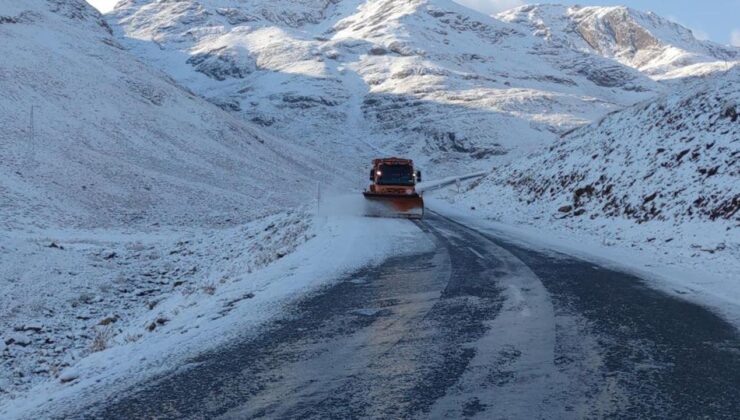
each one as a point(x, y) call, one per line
point(643, 40)
point(427, 78)
point(115, 142)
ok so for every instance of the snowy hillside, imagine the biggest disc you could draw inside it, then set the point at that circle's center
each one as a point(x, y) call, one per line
point(645, 41)
point(428, 78)
point(114, 142)
point(127, 191)
point(664, 174)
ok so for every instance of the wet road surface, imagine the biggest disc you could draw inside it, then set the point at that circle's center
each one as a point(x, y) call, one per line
point(475, 328)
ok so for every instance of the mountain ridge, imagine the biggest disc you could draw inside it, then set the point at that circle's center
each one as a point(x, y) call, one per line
point(430, 79)
point(648, 42)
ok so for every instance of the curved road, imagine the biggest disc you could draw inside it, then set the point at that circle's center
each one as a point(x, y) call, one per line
point(476, 328)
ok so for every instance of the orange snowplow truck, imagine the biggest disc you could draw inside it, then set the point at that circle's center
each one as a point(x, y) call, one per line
point(392, 192)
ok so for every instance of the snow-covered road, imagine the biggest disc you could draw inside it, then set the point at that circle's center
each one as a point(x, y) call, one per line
point(475, 327)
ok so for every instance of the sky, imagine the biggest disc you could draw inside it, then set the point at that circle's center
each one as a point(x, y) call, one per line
point(103, 5)
point(717, 20)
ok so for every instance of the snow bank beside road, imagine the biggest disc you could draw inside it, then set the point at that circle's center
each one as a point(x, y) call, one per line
point(68, 293)
point(234, 304)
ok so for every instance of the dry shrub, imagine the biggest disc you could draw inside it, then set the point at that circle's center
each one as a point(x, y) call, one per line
point(101, 339)
point(209, 287)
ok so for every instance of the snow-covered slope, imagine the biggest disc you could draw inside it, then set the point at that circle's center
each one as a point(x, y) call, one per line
point(664, 174)
point(115, 142)
point(675, 158)
point(127, 191)
point(643, 40)
point(428, 78)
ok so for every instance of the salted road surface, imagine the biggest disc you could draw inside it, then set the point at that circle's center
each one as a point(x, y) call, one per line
point(475, 328)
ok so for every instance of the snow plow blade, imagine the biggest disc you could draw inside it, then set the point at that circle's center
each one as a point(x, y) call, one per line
point(393, 205)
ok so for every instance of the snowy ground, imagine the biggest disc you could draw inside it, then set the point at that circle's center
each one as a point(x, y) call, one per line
point(164, 296)
point(70, 293)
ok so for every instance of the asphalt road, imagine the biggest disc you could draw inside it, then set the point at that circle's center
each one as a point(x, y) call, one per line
point(476, 328)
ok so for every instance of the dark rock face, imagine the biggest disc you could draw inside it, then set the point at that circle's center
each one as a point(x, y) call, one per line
point(227, 104)
point(306, 101)
point(263, 120)
point(222, 63)
point(377, 51)
point(731, 112)
point(606, 77)
point(10, 19)
point(236, 16)
point(403, 49)
point(452, 21)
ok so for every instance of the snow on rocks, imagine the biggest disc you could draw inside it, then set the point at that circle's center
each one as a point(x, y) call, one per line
point(69, 375)
point(34, 327)
point(17, 339)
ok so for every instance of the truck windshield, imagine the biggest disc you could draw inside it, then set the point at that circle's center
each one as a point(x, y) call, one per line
point(396, 175)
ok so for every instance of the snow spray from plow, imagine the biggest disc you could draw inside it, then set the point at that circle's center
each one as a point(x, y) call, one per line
point(345, 204)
